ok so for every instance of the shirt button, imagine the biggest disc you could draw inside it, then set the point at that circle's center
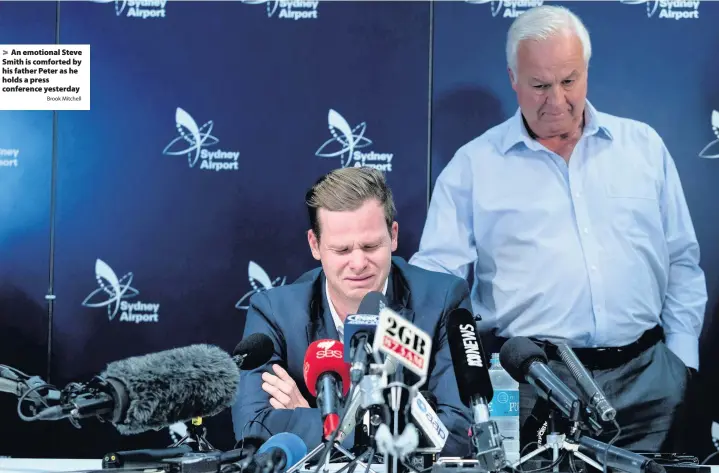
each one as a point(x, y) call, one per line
point(586, 230)
point(597, 309)
point(594, 268)
point(578, 194)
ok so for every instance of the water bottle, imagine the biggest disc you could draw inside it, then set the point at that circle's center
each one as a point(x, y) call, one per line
point(504, 408)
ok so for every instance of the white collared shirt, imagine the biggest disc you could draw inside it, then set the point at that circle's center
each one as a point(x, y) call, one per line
point(339, 324)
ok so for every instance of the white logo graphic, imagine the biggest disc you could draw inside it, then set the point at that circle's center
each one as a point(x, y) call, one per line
point(671, 9)
point(138, 8)
point(113, 292)
point(712, 149)
point(326, 345)
point(194, 141)
point(715, 435)
point(288, 9)
point(8, 157)
point(346, 143)
point(260, 281)
point(508, 8)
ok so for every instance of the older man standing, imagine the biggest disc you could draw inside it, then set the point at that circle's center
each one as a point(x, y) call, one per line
point(578, 230)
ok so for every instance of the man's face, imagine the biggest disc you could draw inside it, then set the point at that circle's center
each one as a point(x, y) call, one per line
point(551, 84)
point(355, 249)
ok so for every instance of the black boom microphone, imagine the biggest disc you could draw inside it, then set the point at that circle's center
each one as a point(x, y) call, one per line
point(527, 363)
point(253, 351)
point(151, 392)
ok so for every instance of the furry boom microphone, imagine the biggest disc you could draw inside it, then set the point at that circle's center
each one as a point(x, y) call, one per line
point(151, 392)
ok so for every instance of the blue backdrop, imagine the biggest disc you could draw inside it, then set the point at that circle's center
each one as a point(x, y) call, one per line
point(157, 213)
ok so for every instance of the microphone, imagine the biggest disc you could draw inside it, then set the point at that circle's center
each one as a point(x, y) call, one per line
point(475, 387)
point(470, 366)
point(253, 351)
point(526, 362)
point(327, 378)
point(359, 331)
point(277, 454)
point(151, 392)
point(618, 458)
point(597, 399)
point(423, 409)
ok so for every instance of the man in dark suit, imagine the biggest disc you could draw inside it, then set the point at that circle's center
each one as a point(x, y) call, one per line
point(353, 235)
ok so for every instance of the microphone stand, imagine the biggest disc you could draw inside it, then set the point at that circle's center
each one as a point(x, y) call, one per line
point(195, 433)
point(334, 443)
point(556, 441)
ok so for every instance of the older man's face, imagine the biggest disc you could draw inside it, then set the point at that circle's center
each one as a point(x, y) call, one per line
point(551, 84)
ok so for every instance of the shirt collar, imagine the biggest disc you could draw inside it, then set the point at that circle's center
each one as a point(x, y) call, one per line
point(339, 324)
point(518, 133)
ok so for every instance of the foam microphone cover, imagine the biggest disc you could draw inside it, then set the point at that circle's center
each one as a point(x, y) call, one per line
point(470, 364)
point(255, 350)
point(174, 386)
point(365, 320)
point(324, 356)
point(292, 446)
point(517, 354)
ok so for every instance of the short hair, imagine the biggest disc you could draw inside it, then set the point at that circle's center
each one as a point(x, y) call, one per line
point(347, 189)
point(543, 22)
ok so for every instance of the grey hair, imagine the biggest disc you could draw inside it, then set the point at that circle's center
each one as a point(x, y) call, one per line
point(543, 22)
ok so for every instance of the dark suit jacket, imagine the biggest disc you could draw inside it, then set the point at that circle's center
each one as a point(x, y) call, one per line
point(295, 315)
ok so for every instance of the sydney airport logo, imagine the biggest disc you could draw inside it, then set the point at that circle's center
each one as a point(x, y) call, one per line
point(195, 142)
point(346, 143)
point(669, 9)
point(712, 149)
point(260, 281)
point(508, 8)
point(8, 157)
point(115, 294)
point(288, 9)
point(143, 9)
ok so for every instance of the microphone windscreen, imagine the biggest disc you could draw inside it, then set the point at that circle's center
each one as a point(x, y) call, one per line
point(324, 356)
point(174, 386)
point(365, 320)
point(292, 446)
point(372, 303)
point(516, 355)
point(470, 365)
point(256, 349)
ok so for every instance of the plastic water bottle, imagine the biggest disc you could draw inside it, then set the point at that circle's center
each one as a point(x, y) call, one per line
point(504, 408)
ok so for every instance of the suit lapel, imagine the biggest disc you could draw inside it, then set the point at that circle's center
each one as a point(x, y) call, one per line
point(322, 325)
point(398, 295)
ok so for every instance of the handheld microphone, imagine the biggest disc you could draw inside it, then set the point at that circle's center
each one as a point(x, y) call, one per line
point(253, 351)
point(151, 392)
point(526, 362)
point(424, 414)
point(277, 454)
point(359, 332)
point(475, 387)
point(469, 361)
point(328, 379)
point(597, 399)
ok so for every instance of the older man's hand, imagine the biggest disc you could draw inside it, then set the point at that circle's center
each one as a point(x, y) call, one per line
point(283, 390)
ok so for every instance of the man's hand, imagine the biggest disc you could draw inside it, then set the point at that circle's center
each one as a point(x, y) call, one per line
point(282, 388)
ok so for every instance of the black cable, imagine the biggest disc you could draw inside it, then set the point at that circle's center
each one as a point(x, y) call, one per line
point(24, 397)
point(614, 439)
point(712, 455)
